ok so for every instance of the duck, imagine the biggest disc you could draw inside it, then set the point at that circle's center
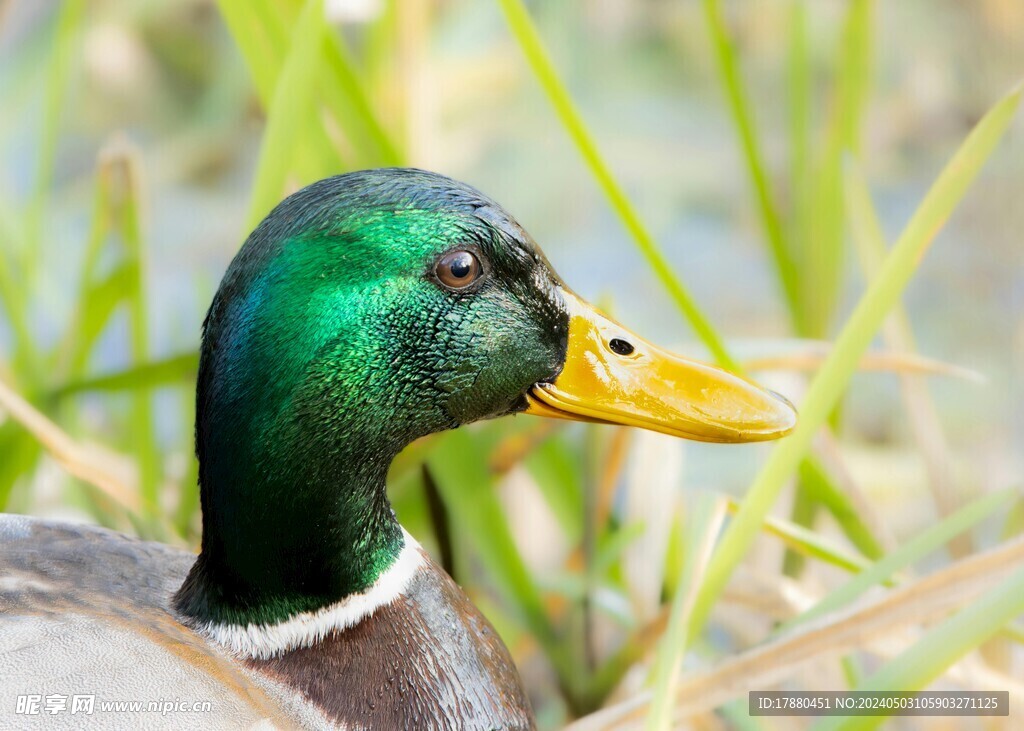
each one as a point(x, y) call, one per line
point(366, 311)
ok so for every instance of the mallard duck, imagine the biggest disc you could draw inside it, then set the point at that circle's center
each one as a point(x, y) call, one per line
point(366, 311)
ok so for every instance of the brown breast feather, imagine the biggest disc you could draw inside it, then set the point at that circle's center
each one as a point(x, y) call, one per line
point(429, 660)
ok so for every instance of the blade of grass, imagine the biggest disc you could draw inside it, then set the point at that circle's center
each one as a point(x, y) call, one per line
point(526, 35)
point(704, 522)
point(555, 468)
point(115, 224)
point(804, 513)
point(13, 295)
point(1014, 523)
point(637, 646)
point(343, 93)
point(924, 418)
point(821, 270)
point(316, 155)
point(831, 381)
point(737, 715)
point(97, 297)
point(440, 524)
point(119, 174)
point(379, 63)
point(799, 86)
point(21, 452)
point(66, 451)
point(259, 29)
point(920, 601)
point(591, 462)
point(97, 306)
point(270, 16)
point(1015, 632)
point(807, 542)
point(896, 360)
point(852, 670)
point(348, 101)
point(517, 446)
point(854, 79)
point(914, 550)
point(69, 18)
point(188, 501)
point(261, 58)
point(725, 55)
point(177, 369)
point(830, 485)
point(611, 548)
point(939, 648)
point(805, 509)
point(651, 492)
point(611, 472)
point(292, 102)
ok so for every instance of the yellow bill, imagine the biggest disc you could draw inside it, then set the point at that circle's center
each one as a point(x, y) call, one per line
point(611, 376)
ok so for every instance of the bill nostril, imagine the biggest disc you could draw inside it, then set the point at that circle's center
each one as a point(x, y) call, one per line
point(621, 347)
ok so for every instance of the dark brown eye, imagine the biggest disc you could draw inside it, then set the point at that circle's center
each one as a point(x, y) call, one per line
point(458, 269)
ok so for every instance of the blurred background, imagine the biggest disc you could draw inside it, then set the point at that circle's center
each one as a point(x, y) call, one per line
point(132, 132)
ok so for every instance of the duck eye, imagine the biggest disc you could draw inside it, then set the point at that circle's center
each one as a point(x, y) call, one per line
point(458, 269)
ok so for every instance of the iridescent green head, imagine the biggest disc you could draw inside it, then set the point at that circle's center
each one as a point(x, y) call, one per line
point(366, 311)
point(343, 312)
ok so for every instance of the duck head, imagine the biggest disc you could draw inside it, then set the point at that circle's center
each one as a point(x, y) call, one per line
point(368, 310)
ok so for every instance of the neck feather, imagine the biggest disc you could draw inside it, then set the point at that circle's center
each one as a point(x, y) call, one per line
point(291, 542)
point(306, 629)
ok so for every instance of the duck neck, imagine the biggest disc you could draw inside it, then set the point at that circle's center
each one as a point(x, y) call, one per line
point(300, 538)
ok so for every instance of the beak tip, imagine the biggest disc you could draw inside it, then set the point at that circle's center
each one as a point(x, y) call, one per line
point(779, 397)
point(786, 414)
